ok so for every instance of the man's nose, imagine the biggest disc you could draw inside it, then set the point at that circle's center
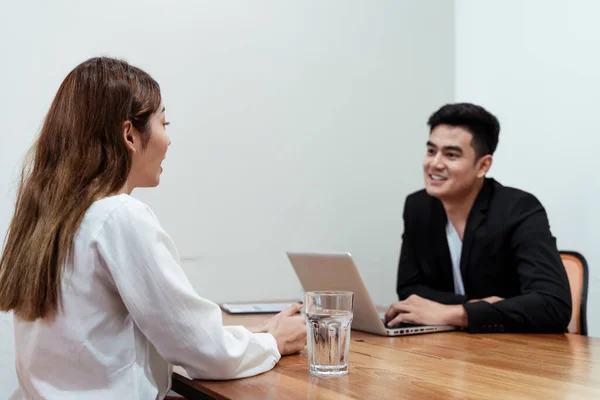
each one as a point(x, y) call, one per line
point(437, 161)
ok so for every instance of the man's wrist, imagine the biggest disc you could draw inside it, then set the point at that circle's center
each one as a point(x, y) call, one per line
point(457, 316)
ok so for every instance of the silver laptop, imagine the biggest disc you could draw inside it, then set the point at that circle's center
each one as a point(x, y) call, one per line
point(337, 271)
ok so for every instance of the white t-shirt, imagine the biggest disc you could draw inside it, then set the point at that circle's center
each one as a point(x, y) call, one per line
point(129, 314)
point(455, 247)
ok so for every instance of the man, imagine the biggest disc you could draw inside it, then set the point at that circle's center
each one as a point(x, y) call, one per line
point(476, 254)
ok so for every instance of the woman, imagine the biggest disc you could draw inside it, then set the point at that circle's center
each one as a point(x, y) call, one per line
point(102, 307)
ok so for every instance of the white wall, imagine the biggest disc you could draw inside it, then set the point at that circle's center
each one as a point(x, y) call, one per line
point(536, 65)
point(295, 125)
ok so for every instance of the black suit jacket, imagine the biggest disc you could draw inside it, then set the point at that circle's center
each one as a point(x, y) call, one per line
point(508, 251)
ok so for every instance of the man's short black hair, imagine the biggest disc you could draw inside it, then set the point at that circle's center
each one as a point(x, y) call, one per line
point(484, 127)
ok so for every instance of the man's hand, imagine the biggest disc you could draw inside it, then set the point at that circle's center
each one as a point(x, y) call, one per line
point(490, 299)
point(418, 310)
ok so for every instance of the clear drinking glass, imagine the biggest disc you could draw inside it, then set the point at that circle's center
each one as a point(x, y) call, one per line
point(328, 320)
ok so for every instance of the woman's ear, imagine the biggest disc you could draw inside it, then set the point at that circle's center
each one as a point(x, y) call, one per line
point(129, 136)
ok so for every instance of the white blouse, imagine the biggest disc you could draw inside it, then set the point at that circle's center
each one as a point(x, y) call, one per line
point(129, 313)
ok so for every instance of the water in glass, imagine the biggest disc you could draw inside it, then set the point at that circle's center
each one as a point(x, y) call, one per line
point(328, 341)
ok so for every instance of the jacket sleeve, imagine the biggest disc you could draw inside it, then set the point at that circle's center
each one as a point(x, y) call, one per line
point(409, 280)
point(544, 304)
point(186, 329)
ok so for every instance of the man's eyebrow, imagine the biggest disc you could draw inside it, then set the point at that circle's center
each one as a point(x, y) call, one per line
point(457, 149)
point(453, 148)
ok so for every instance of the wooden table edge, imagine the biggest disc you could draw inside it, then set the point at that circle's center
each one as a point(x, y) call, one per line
point(186, 388)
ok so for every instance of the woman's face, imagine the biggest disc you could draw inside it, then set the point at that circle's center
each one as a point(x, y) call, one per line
point(146, 162)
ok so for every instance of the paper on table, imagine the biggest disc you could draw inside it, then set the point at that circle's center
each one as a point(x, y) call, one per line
point(254, 308)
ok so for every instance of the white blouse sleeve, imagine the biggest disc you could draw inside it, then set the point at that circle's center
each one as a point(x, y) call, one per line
point(186, 329)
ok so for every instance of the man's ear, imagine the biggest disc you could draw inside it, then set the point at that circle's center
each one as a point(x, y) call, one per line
point(129, 136)
point(484, 165)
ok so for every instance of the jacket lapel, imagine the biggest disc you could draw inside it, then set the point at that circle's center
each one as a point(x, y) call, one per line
point(476, 217)
point(437, 226)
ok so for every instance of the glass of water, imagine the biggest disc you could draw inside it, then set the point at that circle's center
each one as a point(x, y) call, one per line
point(328, 320)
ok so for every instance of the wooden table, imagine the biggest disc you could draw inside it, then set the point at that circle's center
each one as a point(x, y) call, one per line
point(448, 365)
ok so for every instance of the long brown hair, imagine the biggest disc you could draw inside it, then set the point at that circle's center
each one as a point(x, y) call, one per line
point(79, 157)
